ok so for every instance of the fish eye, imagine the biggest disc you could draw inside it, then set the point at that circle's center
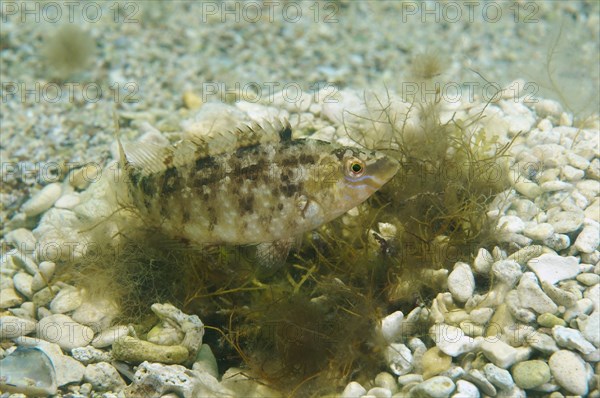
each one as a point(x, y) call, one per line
point(355, 167)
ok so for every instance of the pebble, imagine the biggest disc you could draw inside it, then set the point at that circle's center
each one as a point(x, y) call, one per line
point(67, 201)
point(452, 340)
point(12, 326)
point(507, 272)
point(481, 316)
point(588, 239)
point(130, 349)
point(107, 337)
point(461, 282)
point(399, 358)
point(476, 377)
point(577, 161)
point(206, 361)
point(98, 314)
point(465, 389)
point(499, 377)
point(9, 298)
point(436, 387)
point(89, 354)
point(434, 362)
point(566, 222)
point(593, 293)
point(552, 268)
point(588, 279)
point(43, 276)
point(64, 331)
point(532, 296)
point(67, 300)
point(543, 343)
point(593, 210)
point(569, 372)
point(387, 381)
point(512, 224)
point(410, 378)
point(571, 338)
point(549, 320)
point(353, 390)
point(538, 232)
point(391, 326)
point(498, 352)
point(42, 200)
point(103, 377)
point(590, 327)
point(379, 392)
point(531, 374)
point(559, 296)
point(557, 242)
point(22, 239)
point(570, 173)
point(43, 297)
point(22, 283)
point(483, 261)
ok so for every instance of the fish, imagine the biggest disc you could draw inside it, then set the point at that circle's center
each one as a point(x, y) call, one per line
point(255, 185)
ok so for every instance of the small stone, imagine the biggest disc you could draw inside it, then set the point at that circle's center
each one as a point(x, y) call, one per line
point(206, 361)
point(589, 327)
point(481, 316)
point(531, 374)
point(559, 296)
point(552, 186)
point(549, 320)
point(552, 268)
point(588, 279)
point(557, 242)
point(506, 272)
point(434, 362)
point(571, 338)
point(410, 378)
point(98, 314)
point(9, 298)
point(543, 343)
point(566, 222)
point(476, 377)
point(43, 297)
point(499, 377)
point(588, 239)
point(465, 389)
point(483, 262)
point(379, 392)
point(64, 331)
point(511, 224)
point(353, 390)
point(452, 340)
point(130, 349)
point(436, 387)
point(191, 100)
point(399, 358)
point(391, 327)
point(569, 372)
point(461, 282)
point(532, 296)
point(67, 299)
point(11, 327)
point(88, 354)
point(67, 201)
point(22, 283)
point(538, 232)
point(592, 211)
point(107, 337)
point(525, 254)
point(500, 353)
point(43, 200)
point(103, 377)
point(593, 293)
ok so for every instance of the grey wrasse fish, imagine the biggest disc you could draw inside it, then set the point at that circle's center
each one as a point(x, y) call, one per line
point(254, 185)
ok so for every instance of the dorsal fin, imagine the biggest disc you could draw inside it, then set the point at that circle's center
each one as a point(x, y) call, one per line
point(122, 158)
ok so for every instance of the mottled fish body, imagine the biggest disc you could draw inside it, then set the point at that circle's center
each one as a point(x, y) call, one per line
point(265, 188)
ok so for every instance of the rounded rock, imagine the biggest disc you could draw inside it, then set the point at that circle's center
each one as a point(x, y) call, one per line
point(130, 349)
point(569, 371)
point(461, 282)
point(531, 374)
point(435, 362)
point(436, 387)
point(12, 326)
point(43, 200)
point(103, 377)
point(64, 331)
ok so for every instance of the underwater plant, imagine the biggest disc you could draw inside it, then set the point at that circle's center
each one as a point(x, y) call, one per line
point(68, 50)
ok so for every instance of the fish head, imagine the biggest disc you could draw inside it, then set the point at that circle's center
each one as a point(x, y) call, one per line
point(349, 176)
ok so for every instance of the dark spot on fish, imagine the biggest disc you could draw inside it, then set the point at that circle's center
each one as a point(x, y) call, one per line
point(171, 181)
point(289, 189)
point(147, 203)
point(207, 164)
point(289, 161)
point(134, 177)
point(286, 134)
point(185, 216)
point(246, 203)
point(280, 206)
point(306, 159)
point(148, 186)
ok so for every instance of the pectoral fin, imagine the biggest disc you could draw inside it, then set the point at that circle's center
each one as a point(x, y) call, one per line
point(271, 256)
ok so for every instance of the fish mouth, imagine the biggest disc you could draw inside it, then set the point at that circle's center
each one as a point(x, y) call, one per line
point(382, 170)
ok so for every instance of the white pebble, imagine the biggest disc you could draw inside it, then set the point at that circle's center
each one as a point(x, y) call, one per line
point(543, 343)
point(43, 200)
point(67, 201)
point(537, 231)
point(436, 387)
point(22, 239)
point(107, 337)
point(391, 326)
point(588, 239)
point(12, 326)
point(577, 161)
point(67, 299)
point(569, 372)
point(453, 341)
point(565, 222)
point(64, 331)
point(590, 327)
point(552, 268)
point(483, 262)
point(570, 173)
point(499, 377)
point(353, 390)
point(399, 358)
point(9, 298)
point(532, 296)
point(481, 316)
point(465, 389)
point(89, 354)
point(379, 392)
point(461, 282)
point(410, 378)
point(498, 352)
point(588, 279)
point(571, 338)
point(511, 224)
point(387, 381)
point(22, 283)
point(103, 377)
point(593, 293)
